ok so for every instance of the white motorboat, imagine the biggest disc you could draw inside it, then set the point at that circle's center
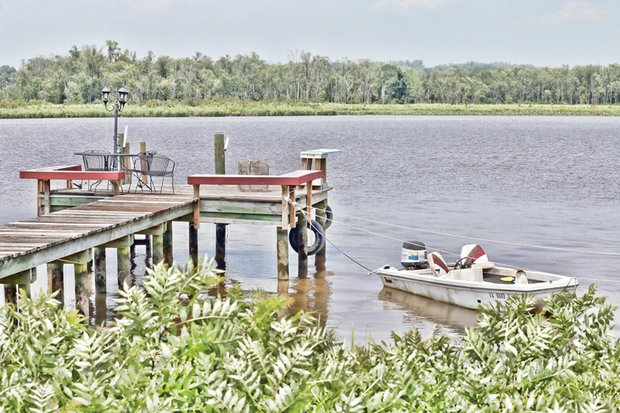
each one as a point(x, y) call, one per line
point(469, 282)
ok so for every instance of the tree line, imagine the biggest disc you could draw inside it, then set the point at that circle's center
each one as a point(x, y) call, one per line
point(78, 77)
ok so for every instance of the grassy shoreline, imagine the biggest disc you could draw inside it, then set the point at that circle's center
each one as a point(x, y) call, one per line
point(10, 110)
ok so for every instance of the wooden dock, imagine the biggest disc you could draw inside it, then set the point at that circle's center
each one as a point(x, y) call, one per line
point(75, 226)
point(70, 236)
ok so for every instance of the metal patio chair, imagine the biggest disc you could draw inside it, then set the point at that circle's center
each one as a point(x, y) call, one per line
point(96, 160)
point(153, 165)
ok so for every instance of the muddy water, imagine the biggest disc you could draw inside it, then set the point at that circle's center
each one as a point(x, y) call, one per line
point(541, 181)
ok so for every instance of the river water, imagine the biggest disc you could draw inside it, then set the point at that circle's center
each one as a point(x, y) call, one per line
point(549, 181)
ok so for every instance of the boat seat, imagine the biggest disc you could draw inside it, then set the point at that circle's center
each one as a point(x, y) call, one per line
point(473, 254)
point(466, 274)
point(437, 264)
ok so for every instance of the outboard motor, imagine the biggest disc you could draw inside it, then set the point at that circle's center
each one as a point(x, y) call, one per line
point(414, 255)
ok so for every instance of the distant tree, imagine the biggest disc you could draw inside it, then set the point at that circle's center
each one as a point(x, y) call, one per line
point(113, 50)
point(7, 73)
point(79, 76)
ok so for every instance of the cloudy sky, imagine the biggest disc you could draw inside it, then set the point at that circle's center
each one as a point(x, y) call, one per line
point(540, 32)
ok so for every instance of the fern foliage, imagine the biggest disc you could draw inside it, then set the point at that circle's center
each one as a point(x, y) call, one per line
point(175, 349)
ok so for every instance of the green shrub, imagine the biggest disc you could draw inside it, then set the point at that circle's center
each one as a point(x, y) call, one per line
point(173, 348)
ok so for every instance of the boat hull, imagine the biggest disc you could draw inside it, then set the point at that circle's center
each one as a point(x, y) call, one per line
point(471, 294)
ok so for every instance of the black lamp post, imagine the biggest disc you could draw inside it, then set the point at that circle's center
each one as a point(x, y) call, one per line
point(117, 107)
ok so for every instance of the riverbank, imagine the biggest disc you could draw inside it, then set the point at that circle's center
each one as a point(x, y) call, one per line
point(12, 110)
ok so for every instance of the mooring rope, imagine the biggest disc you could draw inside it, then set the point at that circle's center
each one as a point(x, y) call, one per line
point(301, 209)
point(370, 271)
point(298, 208)
point(494, 241)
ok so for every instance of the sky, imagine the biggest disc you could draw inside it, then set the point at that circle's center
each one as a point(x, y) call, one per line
point(538, 32)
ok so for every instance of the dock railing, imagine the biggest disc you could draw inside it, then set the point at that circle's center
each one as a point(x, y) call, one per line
point(68, 173)
point(288, 182)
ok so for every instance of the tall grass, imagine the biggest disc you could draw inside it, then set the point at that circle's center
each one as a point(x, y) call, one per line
point(12, 110)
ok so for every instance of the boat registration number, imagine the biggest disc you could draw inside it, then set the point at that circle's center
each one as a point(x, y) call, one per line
point(501, 296)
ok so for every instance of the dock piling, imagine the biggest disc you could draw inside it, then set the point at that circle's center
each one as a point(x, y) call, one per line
point(167, 240)
point(158, 244)
point(319, 258)
point(193, 243)
point(220, 246)
point(123, 266)
point(219, 152)
point(56, 279)
point(100, 270)
point(21, 282)
point(143, 163)
point(282, 252)
point(10, 294)
point(81, 289)
point(148, 247)
point(80, 262)
point(43, 198)
point(302, 242)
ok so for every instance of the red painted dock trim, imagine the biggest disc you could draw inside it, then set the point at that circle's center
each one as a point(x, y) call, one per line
point(291, 179)
point(70, 172)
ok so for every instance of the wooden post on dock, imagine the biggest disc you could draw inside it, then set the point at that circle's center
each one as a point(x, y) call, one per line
point(219, 152)
point(30, 276)
point(81, 289)
point(126, 164)
point(10, 294)
point(158, 245)
point(220, 246)
point(123, 260)
point(100, 270)
point(319, 258)
point(123, 266)
point(302, 242)
point(282, 252)
point(157, 234)
point(193, 243)
point(44, 187)
point(282, 236)
point(16, 283)
point(148, 250)
point(80, 262)
point(56, 280)
point(143, 163)
point(193, 226)
point(168, 257)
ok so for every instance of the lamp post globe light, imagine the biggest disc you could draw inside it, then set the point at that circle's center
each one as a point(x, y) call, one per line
point(117, 107)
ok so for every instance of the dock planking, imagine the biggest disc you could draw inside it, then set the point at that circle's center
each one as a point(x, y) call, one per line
point(54, 236)
point(92, 219)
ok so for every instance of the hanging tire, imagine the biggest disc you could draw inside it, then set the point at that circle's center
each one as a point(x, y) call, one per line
point(329, 216)
point(319, 238)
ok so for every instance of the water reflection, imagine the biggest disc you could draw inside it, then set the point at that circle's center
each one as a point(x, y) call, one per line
point(308, 294)
point(101, 309)
point(429, 316)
